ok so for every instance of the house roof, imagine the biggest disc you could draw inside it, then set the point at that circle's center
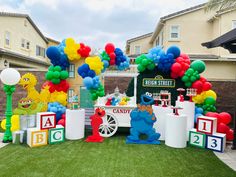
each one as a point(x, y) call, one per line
point(139, 37)
point(28, 18)
point(227, 41)
point(173, 15)
point(53, 40)
point(22, 57)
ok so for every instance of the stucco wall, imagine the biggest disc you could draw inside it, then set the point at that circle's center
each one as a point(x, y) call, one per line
point(143, 43)
point(18, 30)
point(220, 70)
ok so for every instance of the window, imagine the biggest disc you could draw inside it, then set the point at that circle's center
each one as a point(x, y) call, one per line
point(70, 95)
point(137, 50)
point(25, 22)
point(40, 51)
point(71, 71)
point(157, 41)
point(28, 45)
point(233, 24)
point(25, 44)
point(7, 38)
point(174, 32)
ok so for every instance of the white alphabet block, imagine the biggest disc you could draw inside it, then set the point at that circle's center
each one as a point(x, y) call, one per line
point(46, 120)
point(37, 137)
point(206, 125)
point(216, 142)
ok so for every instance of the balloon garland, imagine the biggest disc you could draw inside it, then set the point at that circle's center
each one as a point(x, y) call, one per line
point(95, 65)
point(178, 65)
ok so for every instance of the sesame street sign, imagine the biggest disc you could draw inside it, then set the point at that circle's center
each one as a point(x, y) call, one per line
point(158, 81)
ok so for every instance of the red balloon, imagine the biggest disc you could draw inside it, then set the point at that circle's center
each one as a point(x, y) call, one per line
point(173, 75)
point(225, 118)
point(63, 116)
point(215, 115)
point(112, 62)
point(203, 79)
point(206, 86)
point(176, 68)
point(222, 128)
point(181, 73)
point(62, 122)
point(230, 135)
point(82, 45)
point(109, 48)
point(197, 85)
point(112, 56)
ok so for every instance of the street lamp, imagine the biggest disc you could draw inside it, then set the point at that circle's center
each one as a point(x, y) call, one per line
point(9, 77)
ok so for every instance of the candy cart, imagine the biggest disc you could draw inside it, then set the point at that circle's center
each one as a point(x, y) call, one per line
point(117, 106)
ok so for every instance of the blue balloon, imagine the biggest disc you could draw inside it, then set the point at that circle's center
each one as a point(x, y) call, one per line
point(88, 82)
point(56, 108)
point(53, 53)
point(175, 50)
point(196, 116)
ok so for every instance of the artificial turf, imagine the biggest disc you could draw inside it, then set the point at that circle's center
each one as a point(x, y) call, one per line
point(111, 158)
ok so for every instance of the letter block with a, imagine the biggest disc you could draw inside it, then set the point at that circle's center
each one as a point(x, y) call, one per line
point(37, 137)
point(57, 135)
point(46, 120)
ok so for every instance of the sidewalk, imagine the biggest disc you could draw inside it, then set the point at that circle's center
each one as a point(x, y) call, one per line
point(1, 143)
point(228, 157)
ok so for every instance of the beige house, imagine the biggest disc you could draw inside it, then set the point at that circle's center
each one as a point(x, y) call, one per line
point(188, 29)
point(22, 45)
point(138, 45)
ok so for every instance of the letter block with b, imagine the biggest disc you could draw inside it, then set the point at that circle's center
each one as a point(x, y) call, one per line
point(37, 137)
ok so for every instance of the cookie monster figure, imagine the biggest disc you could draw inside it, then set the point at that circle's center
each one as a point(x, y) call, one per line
point(142, 120)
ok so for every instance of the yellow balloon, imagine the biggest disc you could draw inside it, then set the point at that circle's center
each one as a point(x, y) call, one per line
point(15, 123)
point(60, 97)
point(210, 93)
point(95, 64)
point(71, 49)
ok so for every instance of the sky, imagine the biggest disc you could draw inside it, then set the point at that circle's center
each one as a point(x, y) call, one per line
point(96, 22)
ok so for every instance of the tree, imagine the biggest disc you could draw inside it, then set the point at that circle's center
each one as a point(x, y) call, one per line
point(220, 5)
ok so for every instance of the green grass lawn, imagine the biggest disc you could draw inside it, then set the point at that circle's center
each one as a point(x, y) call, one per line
point(108, 159)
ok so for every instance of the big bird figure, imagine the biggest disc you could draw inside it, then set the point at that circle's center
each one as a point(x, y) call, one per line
point(28, 81)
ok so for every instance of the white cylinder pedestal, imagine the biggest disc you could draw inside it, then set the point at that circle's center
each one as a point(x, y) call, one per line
point(75, 122)
point(160, 113)
point(175, 135)
point(189, 111)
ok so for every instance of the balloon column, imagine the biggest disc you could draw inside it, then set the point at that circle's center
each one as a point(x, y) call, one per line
point(95, 65)
point(178, 65)
point(60, 57)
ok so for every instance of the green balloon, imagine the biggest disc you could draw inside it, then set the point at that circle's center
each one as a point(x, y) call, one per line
point(198, 65)
point(190, 71)
point(209, 100)
point(55, 81)
point(64, 75)
point(193, 78)
point(51, 68)
point(184, 79)
point(188, 84)
point(56, 74)
point(144, 62)
point(49, 75)
point(141, 68)
point(151, 66)
point(94, 96)
point(57, 68)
